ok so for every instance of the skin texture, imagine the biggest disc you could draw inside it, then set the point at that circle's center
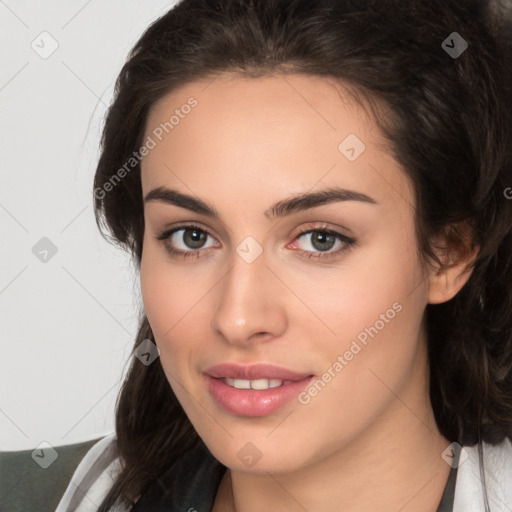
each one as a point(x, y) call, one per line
point(368, 440)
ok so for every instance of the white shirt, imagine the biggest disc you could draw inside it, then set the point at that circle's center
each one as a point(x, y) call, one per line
point(96, 472)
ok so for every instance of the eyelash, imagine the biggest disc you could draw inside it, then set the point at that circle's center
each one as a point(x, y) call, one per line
point(347, 241)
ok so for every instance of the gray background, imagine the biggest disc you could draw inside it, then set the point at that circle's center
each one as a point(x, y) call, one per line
point(68, 320)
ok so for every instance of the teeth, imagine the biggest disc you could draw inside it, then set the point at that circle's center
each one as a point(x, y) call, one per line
point(254, 384)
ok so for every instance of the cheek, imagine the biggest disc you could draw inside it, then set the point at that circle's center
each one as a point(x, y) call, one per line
point(378, 326)
point(155, 287)
point(165, 296)
point(347, 297)
point(373, 306)
point(175, 303)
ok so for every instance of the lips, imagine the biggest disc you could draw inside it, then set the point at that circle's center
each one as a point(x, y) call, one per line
point(254, 390)
point(254, 372)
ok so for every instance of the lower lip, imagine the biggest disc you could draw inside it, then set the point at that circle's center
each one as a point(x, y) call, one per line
point(254, 402)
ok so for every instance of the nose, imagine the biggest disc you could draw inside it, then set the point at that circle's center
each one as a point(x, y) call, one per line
point(249, 304)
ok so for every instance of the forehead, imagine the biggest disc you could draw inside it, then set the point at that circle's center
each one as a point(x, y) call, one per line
point(285, 132)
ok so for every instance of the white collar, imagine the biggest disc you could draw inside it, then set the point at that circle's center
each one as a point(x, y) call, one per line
point(498, 479)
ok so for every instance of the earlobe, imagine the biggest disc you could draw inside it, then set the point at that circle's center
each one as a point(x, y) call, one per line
point(446, 282)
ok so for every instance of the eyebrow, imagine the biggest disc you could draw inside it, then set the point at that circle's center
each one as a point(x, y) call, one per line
point(280, 209)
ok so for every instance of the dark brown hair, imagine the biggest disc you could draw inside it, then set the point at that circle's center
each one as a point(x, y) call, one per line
point(448, 122)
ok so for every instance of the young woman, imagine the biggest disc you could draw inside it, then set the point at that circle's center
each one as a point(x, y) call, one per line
point(318, 196)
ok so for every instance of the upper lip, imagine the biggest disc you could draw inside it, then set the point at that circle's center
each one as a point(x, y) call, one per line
point(254, 372)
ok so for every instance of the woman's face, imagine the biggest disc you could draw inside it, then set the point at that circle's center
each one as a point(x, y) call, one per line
point(329, 288)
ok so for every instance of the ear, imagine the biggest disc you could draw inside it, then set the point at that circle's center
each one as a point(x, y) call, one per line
point(456, 257)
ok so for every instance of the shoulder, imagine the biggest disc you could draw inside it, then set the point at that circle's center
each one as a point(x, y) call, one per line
point(92, 478)
point(469, 489)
